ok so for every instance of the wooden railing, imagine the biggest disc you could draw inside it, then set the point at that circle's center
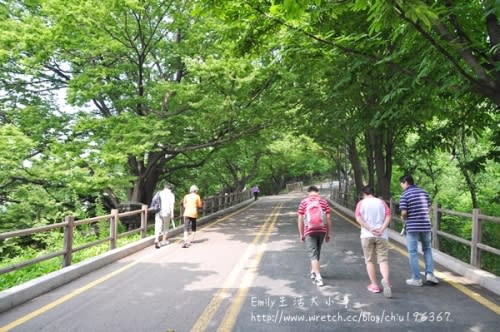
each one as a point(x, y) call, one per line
point(211, 204)
point(348, 200)
point(295, 186)
point(475, 244)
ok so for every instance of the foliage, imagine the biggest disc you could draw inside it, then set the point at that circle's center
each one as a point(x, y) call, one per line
point(103, 101)
point(85, 234)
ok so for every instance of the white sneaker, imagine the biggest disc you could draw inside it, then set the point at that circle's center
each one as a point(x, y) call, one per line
point(431, 279)
point(319, 282)
point(387, 289)
point(414, 282)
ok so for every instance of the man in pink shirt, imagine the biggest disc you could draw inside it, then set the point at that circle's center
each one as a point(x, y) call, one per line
point(374, 216)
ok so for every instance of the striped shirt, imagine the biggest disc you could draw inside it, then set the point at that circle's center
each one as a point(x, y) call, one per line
point(324, 206)
point(416, 202)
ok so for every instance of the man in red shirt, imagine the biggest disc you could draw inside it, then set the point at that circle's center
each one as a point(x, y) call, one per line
point(314, 235)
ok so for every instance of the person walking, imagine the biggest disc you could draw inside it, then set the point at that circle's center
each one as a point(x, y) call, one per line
point(255, 192)
point(414, 205)
point(314, 226)
point(190, 203)
point(374, 217)
point(164, 202)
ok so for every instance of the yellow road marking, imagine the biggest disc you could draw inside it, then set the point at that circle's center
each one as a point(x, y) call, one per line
point(470, 293)
point(64, 298)
point(232, 313)
point(207, 315)
point(94, 283)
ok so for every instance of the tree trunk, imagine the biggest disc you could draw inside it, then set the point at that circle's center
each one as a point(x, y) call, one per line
point(356, 165)
point(147, 176)
point(382, 151)
point(370, 161)
point(462, 161)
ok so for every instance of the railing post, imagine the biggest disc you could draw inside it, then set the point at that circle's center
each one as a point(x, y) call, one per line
point(68, 241)
point(475, 252)
point(113, 229)
point(144, 221)
point(392, 224)
point(436, 225)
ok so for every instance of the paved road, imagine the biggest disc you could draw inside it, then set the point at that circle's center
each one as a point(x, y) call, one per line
point(248, 272)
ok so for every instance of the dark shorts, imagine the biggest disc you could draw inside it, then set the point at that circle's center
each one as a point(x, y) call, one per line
point(313, 243)
point(189, 221)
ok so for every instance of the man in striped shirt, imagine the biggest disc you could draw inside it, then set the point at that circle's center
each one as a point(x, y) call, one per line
point(312, 236)
point(414, 206)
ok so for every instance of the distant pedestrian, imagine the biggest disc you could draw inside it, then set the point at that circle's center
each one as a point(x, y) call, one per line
point(414, 205)
point(255, 192)
point(190, 204)
point(314, 226)
point(374, 216)
point(164, 203)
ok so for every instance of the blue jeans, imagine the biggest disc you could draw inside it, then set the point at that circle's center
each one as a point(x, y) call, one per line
point(412, 244)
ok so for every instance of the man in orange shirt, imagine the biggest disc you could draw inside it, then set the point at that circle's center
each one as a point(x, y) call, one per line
point(190, 203)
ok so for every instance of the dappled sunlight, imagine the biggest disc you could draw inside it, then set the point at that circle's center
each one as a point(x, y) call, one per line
point(447, 275)
point(351, 257)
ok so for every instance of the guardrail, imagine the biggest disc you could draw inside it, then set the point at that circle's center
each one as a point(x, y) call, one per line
point(475, 244)
point(295, 186)
point(348, 200)
point(211, 204)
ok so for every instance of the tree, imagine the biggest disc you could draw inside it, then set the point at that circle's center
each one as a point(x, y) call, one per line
point(154, 83)
point(466, 35)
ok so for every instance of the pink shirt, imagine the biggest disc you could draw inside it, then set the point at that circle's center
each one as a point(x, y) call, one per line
point(373, 211)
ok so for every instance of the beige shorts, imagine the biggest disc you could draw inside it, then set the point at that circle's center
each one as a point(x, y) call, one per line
point(375, 249)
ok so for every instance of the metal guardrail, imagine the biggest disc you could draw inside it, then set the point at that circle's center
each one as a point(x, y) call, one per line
point(211, 204)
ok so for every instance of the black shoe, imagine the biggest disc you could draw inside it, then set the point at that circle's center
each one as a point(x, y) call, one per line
point(157, 245)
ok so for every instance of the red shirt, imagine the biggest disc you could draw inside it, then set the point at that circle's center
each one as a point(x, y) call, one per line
point(324, 206)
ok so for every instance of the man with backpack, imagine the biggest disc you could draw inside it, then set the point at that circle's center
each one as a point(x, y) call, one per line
point(163, 204)
point(315, 226)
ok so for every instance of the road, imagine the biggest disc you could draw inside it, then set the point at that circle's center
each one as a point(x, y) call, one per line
point(248, 271)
